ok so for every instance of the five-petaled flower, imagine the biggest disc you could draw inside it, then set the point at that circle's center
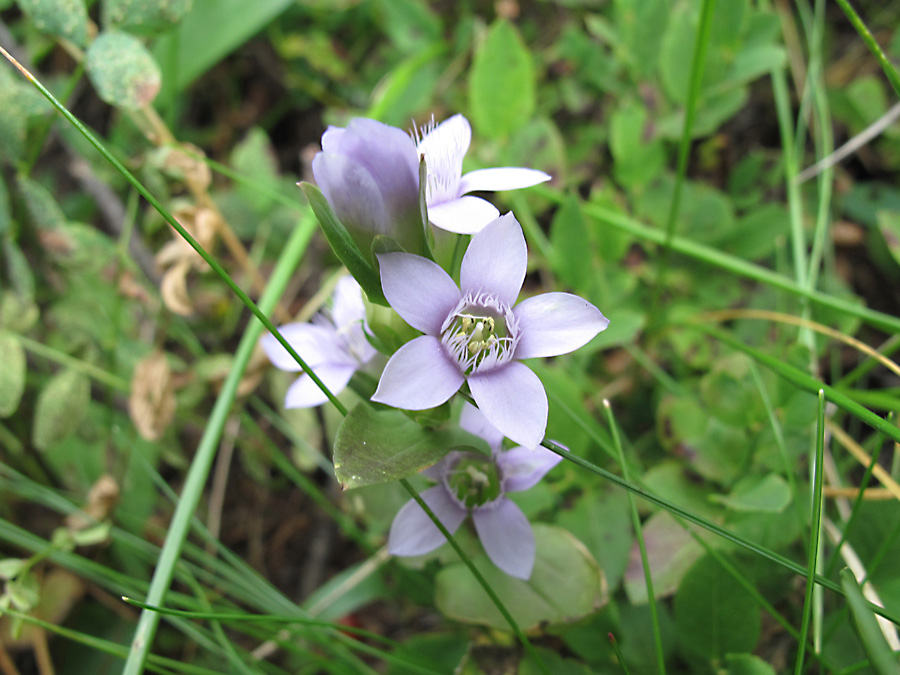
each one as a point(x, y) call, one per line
point(450, 207)
point(369, 173)
point(470, 482)
point(334, 347)
point(474, 334)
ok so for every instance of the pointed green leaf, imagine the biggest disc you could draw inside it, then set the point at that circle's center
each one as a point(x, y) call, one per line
point(572, 248)
point(380, 446)
point(881, 658)
point(747, 664)
point(122, 70)
point(566, 584)
point(502, 83)
point(61, 406)
point(63, 18)
point(12, 373)
point(343, 245)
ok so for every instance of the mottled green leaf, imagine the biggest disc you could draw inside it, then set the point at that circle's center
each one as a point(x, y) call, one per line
point(501, 82)
point(12, 373)
point(380, 446)
point(42, 208)
point(122, 70)
point(144, 16)
point(61, 406)
point(63, 18)
point(566, 584)
point(671, 551)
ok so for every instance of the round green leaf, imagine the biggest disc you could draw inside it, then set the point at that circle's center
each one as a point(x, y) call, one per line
point(61, 406)
point(374, 447)
point(565, 585)
point(12, 373)
point(123, 71)
point(501, 84)
point(714, 614)
point(63, 18)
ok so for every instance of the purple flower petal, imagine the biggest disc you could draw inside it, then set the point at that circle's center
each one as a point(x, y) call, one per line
point(473, 420)
point(436, 472)
point(331, 139)
point(466, 215)
point(413, 532)
point(507, 537)
point(504, 178)
point(513, 399)
point(523, 468)
point(348, 307)
point(305, 393)
point(388, 153)
point(444, 148)
point(315, 344)
point(418, 376)
point(556, 323)
point(495, 260)
point(352, 192)
point(419, 291)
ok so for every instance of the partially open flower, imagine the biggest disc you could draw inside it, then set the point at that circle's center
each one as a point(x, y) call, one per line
point(334, 346)
point(469, 482)
point(450, 207)
point(369, 173)
point(475, 334)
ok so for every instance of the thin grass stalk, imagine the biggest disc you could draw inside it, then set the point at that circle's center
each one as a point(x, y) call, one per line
point(824, 147)
point(639, 533)
point(815, 532)
point(885, 322)
point(873, 46)
point(718, 530)
point(698, 61)
point(206, 452)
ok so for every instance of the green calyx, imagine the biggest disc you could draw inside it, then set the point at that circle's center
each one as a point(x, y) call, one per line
point(474, 481)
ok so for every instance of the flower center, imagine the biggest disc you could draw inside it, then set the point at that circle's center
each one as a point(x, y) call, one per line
point(481, 333)
point(474, 481)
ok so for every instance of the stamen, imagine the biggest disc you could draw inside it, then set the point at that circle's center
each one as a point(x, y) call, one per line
point(481, 333)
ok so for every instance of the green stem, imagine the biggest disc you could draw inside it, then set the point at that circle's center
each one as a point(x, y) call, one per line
point(815, 531)
point(72, 363)
point(206, 452)
point(698, 61)
point(873, 46)
point(639, 533)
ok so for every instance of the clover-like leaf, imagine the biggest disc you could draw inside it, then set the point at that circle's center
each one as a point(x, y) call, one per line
point(123, 71)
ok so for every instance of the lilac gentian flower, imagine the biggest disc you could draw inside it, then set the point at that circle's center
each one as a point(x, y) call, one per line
point(444, 147)
point(334, 347)
point(369, 173)
point(474, 334)
point(469, 482)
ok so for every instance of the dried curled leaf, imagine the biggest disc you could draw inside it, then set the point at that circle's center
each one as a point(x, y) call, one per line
point(152, 401)
point(180, 258)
